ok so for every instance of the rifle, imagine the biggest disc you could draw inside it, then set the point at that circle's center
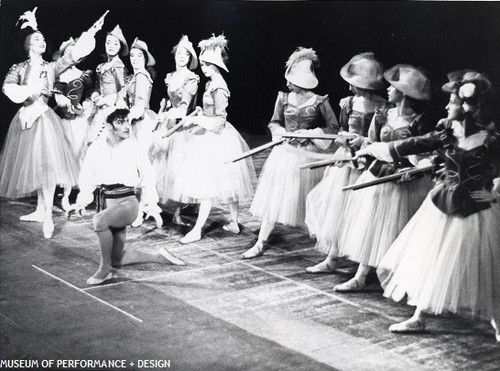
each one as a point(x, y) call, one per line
point(317, 164)
point(294, 135)
point(257, 150)
point(181, 123)
point(389, 178)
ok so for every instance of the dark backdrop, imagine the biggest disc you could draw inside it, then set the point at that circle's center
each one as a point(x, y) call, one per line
point(438, 36)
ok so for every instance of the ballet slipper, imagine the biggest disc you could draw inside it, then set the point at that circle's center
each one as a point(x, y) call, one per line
point(37, 216)
point(192, 236)
point(255, 251)
point(410, 325)
point(326, 266)
point(97, 281)
point(48, 227)
point(157, 217)
point(232, 227)
point(138, 221)
point(353, 285)
point(170, 258)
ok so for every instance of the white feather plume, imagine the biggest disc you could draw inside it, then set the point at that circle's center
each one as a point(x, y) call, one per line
point(28, 19)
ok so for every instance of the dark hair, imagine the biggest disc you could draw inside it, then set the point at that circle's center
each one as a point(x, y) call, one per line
point(174, 50)
point(27, 40)
point(118, 113)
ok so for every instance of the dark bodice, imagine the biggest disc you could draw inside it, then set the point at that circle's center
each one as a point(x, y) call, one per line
point(76, 90)
point(470, 164)
point(387, 126)
point(353, 121)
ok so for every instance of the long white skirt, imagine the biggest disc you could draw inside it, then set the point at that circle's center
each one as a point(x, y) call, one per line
point(204, 173)
point(446, 263)
point(38, 157)
point(376, 215)
point(283, 187)
point(326, 205)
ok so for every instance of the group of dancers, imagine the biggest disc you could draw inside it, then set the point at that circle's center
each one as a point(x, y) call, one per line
point(431, 235)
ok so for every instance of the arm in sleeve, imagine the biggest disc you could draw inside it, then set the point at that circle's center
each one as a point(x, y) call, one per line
point(142, 86)
point(12, 87)
point(277, 123)
point(332, 125)
point(421, 144)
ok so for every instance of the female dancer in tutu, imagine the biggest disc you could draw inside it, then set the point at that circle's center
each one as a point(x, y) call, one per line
point(375, 215)
point(446, 259)
point(182, 86)
point(136, 93)
point(326, 202)
point(204, 177)
point(74, 109)
point(283, 187)
point(110, 79)
point(37, 156)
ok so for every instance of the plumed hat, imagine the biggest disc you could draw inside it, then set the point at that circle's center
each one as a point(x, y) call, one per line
point(188, 45)
point(473, 85)
point(118, 33)
point(300, 68)
point(410, 81)
point(139, 44)
point(455, 78)
point(364, 71)
point(65, 44)
point(212, 50)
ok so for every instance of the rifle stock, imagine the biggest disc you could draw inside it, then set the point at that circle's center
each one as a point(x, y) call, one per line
point(293, 135)
point(388, 178)
point(181, 123)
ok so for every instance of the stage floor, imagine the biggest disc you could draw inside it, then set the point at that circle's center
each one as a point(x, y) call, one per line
point(219, 312)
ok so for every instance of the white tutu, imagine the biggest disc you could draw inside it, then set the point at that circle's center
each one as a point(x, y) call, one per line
point(446, 263)
point(325, 206)
point(168, 164)
point(76, 131)
point(204, 173)
point(38, 157)
point(283, 187)
point(376, 215)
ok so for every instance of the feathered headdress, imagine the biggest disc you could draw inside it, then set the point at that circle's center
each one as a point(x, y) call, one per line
point(303, 54)
point(300, 68)
point(214, 51)
point(28, 19)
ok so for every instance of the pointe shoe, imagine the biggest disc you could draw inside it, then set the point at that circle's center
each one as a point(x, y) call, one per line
point(192, 236)
point(36, 216)
point(323, 267)
point(497, 332)
point(232, 227)
point(65, 203)
point(353, 285)
point(48, 227)
point(97, 281)
point(138, 221)
point(170, 258)
point(410, 325)
point(255, 251)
